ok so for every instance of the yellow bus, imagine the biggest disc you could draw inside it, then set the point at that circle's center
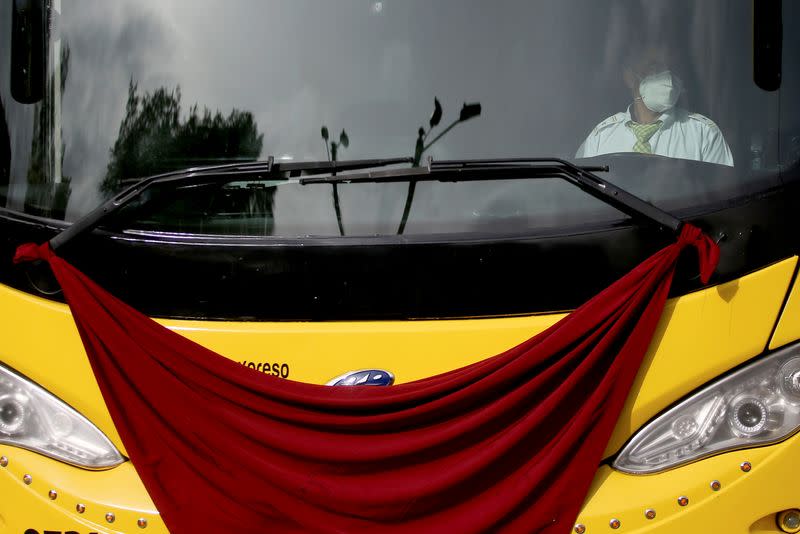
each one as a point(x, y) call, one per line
point(360, 193)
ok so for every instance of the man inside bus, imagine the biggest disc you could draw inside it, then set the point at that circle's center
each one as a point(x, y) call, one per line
point(653, 124)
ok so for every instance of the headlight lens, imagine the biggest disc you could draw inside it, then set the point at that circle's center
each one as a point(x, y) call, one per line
point(34, 419)
point(757, 404)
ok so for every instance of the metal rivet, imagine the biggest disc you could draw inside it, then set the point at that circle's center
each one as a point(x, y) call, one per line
point(80, 508)
point(3, 461)
point(715, 485)
point(27, 479)
point(142, 522)
point(650, 513)
point(614, 523)
point(683, 500)
point(580, 528)
point(53, 494)
point(746, 466)
point(110, 517)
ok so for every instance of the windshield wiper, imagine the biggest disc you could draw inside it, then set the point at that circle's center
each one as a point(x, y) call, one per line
point(444, 171)
point(257, 170)
point(509, 169)
point(268, 168)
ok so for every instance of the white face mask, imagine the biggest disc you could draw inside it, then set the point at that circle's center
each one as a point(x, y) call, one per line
point(660, 91)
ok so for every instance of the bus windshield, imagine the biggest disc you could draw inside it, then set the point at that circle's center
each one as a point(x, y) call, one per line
point(661, 91)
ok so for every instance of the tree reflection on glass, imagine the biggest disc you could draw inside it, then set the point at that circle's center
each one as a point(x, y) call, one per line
point(48, 191)
point(333, 151)
point(5, 155)
point(468, 111)
point(154, 139)
point(333, 154)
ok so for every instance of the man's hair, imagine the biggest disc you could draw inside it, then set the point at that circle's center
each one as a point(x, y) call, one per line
point(640, 53)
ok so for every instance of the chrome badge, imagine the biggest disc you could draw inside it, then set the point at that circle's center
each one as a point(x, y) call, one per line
point(363, 377)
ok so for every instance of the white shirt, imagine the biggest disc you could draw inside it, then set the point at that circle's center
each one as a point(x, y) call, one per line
point(683, 135)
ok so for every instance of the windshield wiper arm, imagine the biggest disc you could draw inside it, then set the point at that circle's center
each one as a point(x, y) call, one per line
point(509, 169)
point(257, 170)
point(445, 171)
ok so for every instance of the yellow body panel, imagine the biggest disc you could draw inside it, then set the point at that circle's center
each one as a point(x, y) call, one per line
point(700, 336)
point(746, 503)
point(788, 328)
point(118, 491)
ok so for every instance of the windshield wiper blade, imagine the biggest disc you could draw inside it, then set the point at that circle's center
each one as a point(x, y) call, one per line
point(268, 168)
point(509, 169)
point(257, 170)
point(298, 168)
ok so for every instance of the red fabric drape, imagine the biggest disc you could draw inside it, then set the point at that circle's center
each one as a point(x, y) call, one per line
point(508, 444)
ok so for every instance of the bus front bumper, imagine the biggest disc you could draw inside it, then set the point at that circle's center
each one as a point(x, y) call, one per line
point(746, 502)
point(111, 501)
point(754, 485)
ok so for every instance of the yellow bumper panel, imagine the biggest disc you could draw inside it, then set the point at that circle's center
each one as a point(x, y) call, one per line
point(31, 507)
point(745, 503)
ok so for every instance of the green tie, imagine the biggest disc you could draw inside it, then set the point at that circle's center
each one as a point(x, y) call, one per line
point(643, 133)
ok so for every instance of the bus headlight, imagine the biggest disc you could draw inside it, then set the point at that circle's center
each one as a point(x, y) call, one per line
point(756, 405)
point(34, 419)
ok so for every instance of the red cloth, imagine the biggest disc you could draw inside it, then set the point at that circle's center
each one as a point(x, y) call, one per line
point(508, 444)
